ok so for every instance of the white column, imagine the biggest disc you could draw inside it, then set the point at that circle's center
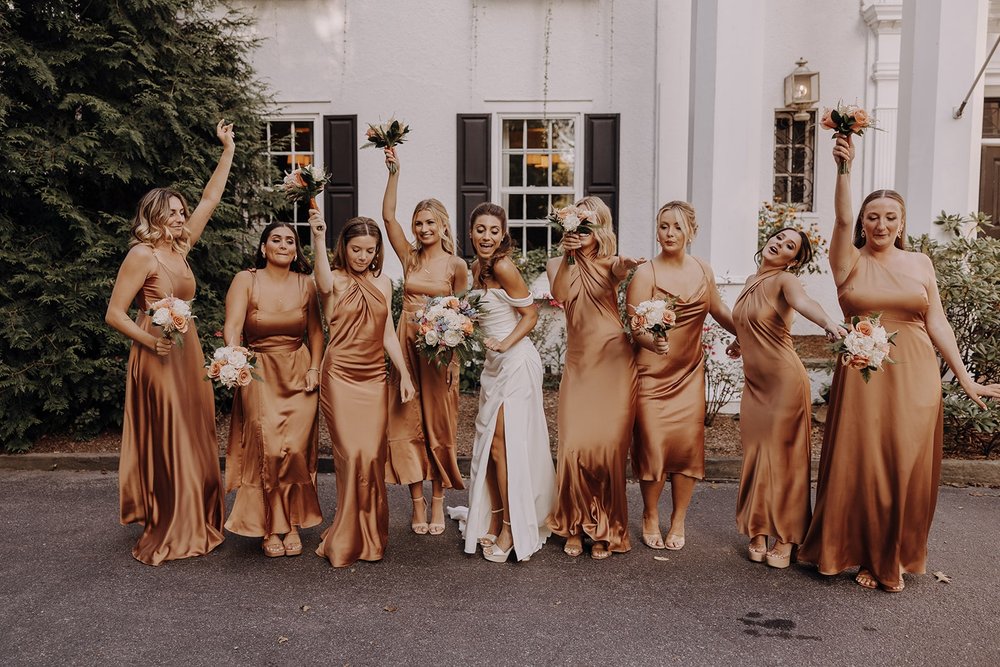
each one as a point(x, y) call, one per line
point(937, 156)
point(726, 131)
point(884, 19)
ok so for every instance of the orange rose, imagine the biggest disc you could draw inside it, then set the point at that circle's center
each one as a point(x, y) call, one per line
point(638, 322)
point(860, 120)
point(180, 323)
point(864, 327)
point(467, 327)
point(213, 370)
point(827, 120)
point(858, 361)
point(243, 377)
point(669, 318)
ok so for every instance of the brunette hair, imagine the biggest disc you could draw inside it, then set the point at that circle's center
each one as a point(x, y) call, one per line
point(859, 238)
point(440, 214)
point(687, 216)
point(802, 257)
point(506, 242)
point(149, 226)
point(607, 244)
point(354, 228)
point(299, 264)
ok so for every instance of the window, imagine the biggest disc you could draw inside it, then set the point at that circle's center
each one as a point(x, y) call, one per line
point(291, 144)
point(538, 167)
point(794, 157)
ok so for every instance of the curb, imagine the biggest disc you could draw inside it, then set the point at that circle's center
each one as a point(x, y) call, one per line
point(954, 472)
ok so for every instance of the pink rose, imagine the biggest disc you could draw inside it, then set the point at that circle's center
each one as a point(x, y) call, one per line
point(180, 323)
point(827, 120)
point(858, 361)
point(860, 120)
point(244, 377)
point(864, 327)
point(669, 318)
point(213, 370)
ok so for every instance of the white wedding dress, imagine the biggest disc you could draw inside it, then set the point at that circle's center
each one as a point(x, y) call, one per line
point(511, 380)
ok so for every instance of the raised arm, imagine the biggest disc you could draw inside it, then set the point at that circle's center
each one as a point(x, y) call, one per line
point(391, 344)
point(622, 265)
point(641, 289)
point(139, 263)
point(216, 185)
point(558, 269)
point(510, 280)
point(237, 299)
point(797, 298)
point(321, 268)
point(843, 254)
point(397, 238)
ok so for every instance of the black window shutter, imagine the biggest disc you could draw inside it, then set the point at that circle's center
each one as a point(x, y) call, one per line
point(473, 173)
point(340, 157)
point(600, 161)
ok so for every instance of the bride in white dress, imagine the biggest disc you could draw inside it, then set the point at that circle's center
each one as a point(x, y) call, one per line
point(512, 485)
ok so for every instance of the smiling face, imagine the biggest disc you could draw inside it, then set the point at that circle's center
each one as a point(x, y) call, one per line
point(487, 233)
point(175, 217)
point(361, 252)
point(279, 248)
point(782, 249)
point(426, 228)
point(882, 223)
point(671, 232)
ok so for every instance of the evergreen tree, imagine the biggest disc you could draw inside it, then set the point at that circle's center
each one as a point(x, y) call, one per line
point(100, 101)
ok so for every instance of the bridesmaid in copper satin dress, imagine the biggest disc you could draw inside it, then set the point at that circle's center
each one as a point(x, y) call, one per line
point(422, 433)
point(881, 459)
point(669, 438)
point(356, 303)
point(776, 405)
point(597, 392)
point(274, 436)
point(168, 473)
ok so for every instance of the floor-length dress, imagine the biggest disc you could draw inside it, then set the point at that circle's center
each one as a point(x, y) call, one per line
point(597, 397)
point(274, 437)
point(353, 400)
point(511, 381)
point(670, 411)
point(168, 473)
point(423, 431)
point(881, 458)
point(775, 418)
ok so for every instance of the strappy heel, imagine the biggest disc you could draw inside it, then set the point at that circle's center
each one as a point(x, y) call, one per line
point(420, 527)
point(494, 554)
point(436, 528)
point(488, 539)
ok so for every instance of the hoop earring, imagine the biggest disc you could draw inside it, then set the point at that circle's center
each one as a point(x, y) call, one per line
point(862, 233)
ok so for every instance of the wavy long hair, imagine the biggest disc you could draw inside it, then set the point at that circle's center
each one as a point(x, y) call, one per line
point(607, 244)
point(505, 247)
point(440, 214)
point(298, 265)
point(859, 239)
point(355, 227)
point(149, 226)
point(802, 257)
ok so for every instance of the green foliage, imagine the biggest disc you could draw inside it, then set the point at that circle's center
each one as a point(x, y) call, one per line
point(773, 217)
point(532, 263)
point(968, 278)
point(101, 101)
point(723, 376)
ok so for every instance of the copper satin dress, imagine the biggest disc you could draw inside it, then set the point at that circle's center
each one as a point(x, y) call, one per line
point(670, 412)
point(168, 473)
point(423, 431)
point(353, 400)
point(274, 437)
point(881, 458)
point(597, 397)
point(775, 418)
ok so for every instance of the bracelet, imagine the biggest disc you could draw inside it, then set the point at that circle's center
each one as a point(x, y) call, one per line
point(312, 369)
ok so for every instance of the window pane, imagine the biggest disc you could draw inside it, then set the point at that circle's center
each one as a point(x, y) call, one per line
point(561, 201)
point(562, 170)
point(283, 163)
point(513, 134)
point(537, 170)
point(537, 237)
point(517, 235)
point(514, 174)
point(303, 137)
point(782, 133)
point(515, 207)
point(536, 207)
point(281, 139)
point(538, 134)
point(303, 160)
point(563, 138)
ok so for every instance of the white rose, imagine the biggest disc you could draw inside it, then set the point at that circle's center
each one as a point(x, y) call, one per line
point(236, 359)
point(227, 374)
point(221, 353)
point(879, 335)
point(431, 338)
point(161, 316)
point(453, 337)
point(571, 222)
point(181, 307)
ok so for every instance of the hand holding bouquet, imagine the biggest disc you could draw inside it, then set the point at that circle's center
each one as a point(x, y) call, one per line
point(386, 135)
point(572, 220)
point(232, 366)
point(656, 316)
point(173, 315)
point(304, 184)
point(446, 325)
point(846, 120)
point(866, 347)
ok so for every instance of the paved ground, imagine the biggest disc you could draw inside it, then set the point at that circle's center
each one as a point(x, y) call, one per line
point(70, 593)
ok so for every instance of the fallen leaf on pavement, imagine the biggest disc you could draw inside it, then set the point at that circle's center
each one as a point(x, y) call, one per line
point(942, 577)
point(282, 640)
point(660, 558)
point(390, 608)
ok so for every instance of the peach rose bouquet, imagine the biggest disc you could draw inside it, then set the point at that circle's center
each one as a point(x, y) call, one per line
point(448, 326)
point(173, 315)
point(847, 119)
point(304, 184)
point(232, 366)
point(386, 135)
point(572, 219)
point(866, 347)
point(657, 316)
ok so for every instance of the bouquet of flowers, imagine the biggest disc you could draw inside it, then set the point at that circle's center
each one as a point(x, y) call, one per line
point(867, 346)
point(304, 184)
point(446, 325)
point(386, 135)
point(657, 316)
point(847, 119)
point(571, 219)
point(173, 315)
point(232, 366)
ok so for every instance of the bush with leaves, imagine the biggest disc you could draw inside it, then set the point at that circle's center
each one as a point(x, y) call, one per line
point(723, 376)
point(101, 101)
point(968, 277)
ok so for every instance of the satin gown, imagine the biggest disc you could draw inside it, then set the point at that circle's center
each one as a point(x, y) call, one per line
point(881, 459)
point(511, 380)
point(670, 411)
point(353, 400)
point(597, 398)
point(775, 418)
point(274, 437)
point(423, 431)
point(168, 472)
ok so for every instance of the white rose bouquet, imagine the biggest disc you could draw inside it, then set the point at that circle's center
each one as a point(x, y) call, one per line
point(657, 316)
point(866, 347)
point(446, 326)
point(173, 315)
point(232, 366)
point(569, 220)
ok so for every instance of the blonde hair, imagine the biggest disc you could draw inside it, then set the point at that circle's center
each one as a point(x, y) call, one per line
point(687, 217)
point(440, 214)
point(607, 244)
point(149, 226)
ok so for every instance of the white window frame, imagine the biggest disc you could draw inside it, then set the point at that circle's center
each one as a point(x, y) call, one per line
point(300, 214)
